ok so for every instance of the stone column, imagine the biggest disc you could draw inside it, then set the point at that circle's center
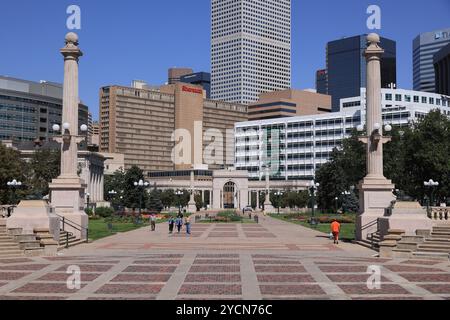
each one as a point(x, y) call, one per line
point(375, 190)
point(257, 199)
point(268, 207)
point(68, 190)
point(191, 206)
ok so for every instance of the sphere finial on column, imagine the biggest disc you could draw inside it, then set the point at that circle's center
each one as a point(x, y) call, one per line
point(72, 38)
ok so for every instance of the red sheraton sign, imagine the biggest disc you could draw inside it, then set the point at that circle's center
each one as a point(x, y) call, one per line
point(192, 90)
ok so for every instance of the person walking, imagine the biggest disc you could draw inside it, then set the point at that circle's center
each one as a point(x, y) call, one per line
point(153, 222)
point(171, 224)
point(179, 223)
point(188, 225)
point(335, 230)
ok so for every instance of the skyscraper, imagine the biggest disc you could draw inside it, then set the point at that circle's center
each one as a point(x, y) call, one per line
point(321, 81)
point(346, 67)
point(425, 46)
point(250, 48)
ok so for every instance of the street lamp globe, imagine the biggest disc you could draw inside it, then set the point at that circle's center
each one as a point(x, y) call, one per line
point(84, 128)
point(66, 126)
point(377, 126)
point(388, 128)
point(56, 128)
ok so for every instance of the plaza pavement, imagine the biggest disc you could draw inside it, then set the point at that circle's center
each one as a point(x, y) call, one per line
point(270, 260)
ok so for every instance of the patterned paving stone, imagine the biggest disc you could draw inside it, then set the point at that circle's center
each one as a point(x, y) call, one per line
point(220, 255)
point(437, 288)
point(87, 267)
point(215, 269)
point(24, 267)
point(402, 268)
point(356, 278)
point(9, 276)
point(426, 277)
point(167, 262)
point(223, 235)
point(280, 269)
point(211, 278)
point(260, 235)
point(291, 290)
point(116, 298)
point(216, 261)
point(19, 260)
point(362, 289)
point(142, 278)
point(271, 256)
point(343, 269)
point(292, 278)
point(422, 262)
point(130, 289)
point(161, 256)
point(387, 298)
point(64, 276)
point(46, 288)
point(28, 298)
point(291, 262)
point(223, 289)
point(155, 269)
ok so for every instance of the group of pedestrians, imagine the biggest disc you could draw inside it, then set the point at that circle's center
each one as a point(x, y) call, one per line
point(178, 222)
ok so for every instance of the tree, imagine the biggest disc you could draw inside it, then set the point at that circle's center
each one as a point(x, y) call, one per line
point(198, 201)
point(350, 203)
point(12, 167)
point(168, 198)
point(115, 182)
point(131, 193)
point(44, 166)
point(154, 200)
point(427, 156)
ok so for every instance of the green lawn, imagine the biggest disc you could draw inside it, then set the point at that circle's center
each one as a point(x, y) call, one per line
point(347, 229)
point(99, 228)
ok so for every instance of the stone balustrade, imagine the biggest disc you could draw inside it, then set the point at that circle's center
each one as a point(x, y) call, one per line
point(439, 213)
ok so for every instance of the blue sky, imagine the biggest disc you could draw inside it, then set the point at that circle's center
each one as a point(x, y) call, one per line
point(141, 39)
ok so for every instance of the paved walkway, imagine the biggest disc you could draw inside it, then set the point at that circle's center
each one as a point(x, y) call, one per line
point(270, 260)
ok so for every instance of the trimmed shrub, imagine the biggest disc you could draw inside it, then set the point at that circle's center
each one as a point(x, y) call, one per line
point(104, 212)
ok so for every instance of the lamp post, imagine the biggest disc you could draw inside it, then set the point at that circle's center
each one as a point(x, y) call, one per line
point(279, 194)
point(141, 185)
point(313, 187)
point(336, 199)
point(433, 186)
point(14, 185)
point(112, 195)
point(179, 194)
point(88, 197)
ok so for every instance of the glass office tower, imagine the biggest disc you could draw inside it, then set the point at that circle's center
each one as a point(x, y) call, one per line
point(346, 67)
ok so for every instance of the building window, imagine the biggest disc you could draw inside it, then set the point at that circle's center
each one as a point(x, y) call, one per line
point(424, 99)
point(408, 98)
point(398, 97)
point(431, 100)
point(416, 99)
point(388, 97)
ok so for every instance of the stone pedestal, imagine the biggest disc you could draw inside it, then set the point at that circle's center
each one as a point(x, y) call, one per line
point(192, 207)
point(34, 214)
point(375, 197)
point(407, 216)
point(67, 198)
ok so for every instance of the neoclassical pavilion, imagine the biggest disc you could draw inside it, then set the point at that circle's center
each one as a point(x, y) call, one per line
point(221, 189)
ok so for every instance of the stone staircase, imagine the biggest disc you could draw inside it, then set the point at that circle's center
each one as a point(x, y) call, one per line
point(425, 245)
point(372, 242)
point(8, 247)
point(436, 245)
point(67, 240)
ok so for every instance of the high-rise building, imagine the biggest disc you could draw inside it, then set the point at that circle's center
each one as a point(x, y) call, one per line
point(28, 110)
point(176, 73)
point(425, 46)
point(346, 67)
point(322, 81)
point(442, 70)
point(288, 103)
point(199, 78)
point(250, 48)
point(140, 124)
point(307, 142)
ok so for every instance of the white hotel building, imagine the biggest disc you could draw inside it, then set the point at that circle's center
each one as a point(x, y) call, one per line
point(250, 48)
point(306, 142)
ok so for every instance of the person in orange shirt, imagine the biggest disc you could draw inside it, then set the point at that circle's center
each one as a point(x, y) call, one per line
point(335, 229)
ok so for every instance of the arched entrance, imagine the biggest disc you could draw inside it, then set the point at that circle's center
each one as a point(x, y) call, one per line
point(229, 195)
